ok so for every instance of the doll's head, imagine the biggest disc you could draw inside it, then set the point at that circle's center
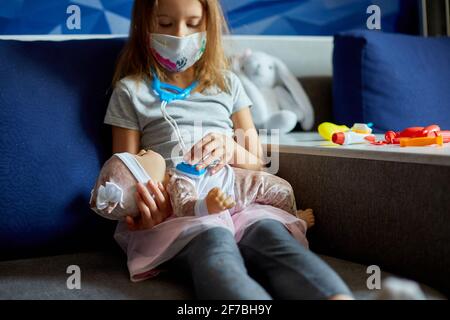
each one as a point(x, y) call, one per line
point(113, 196)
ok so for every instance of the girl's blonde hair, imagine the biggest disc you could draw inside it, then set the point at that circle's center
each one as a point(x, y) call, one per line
point(136, 60)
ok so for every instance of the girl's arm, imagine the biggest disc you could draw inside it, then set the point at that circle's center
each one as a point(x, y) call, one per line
point(125, 140)
point(248, 152)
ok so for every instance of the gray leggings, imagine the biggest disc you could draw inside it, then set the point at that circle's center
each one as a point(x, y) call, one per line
point(268, 263)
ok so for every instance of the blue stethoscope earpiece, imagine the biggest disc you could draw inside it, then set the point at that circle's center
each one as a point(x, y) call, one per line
point(161, 89)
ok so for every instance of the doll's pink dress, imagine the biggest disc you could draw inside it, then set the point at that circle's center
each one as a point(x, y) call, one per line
point(147, 249)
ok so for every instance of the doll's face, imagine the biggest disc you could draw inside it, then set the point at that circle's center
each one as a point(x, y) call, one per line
point(153, 163)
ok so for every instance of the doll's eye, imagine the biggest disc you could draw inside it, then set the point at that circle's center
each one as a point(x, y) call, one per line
point(270, 67)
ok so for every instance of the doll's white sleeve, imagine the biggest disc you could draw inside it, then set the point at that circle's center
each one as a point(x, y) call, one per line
point(184, 197)
point(263, 188)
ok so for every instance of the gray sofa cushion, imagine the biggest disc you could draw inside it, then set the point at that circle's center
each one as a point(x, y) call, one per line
point(104, 275)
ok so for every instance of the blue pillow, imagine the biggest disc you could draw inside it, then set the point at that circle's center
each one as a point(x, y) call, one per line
point(393, 80)
point(53, 97)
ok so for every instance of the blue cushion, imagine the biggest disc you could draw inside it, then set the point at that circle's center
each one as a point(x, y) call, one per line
point(395, 81)
point(53, 97)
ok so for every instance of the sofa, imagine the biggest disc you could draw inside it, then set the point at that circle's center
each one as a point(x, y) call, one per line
point(53, 97)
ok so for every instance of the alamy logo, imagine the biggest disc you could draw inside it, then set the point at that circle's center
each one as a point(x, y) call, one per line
point(374, 280)
point(74, 20)
point(374, 20)
point(74, 280)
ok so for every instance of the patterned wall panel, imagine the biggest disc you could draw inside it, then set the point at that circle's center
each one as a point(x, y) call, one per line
point(271, 17)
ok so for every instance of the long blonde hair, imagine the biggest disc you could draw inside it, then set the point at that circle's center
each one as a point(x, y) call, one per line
point(136, 60)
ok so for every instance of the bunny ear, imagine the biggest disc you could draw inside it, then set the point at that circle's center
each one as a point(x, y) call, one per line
point(244, 56)
point(237, 60)
point(260, 110)
point(236, 63)
point(304, 109)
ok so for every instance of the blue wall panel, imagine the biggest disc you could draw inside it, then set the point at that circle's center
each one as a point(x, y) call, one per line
point(271, 17)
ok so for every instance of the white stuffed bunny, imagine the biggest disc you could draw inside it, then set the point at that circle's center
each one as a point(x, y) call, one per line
point(279, 101)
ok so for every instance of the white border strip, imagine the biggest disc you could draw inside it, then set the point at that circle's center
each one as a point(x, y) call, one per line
point(304, 55)
point(61, 37)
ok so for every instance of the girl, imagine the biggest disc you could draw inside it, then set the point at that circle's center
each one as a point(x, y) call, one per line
point(181, 41)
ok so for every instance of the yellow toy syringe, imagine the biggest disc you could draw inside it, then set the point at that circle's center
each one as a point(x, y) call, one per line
point(341, 134)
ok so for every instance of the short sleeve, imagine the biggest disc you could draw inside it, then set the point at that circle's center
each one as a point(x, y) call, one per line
point(121, 111)
point(240, 97)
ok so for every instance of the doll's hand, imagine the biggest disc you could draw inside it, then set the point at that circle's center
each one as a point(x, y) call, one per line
point(153, 211)
point(217, 201)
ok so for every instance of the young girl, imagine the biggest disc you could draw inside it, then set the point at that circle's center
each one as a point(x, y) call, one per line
point(181, 40)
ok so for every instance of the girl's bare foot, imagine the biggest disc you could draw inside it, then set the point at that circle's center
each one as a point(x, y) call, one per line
point(306, 215)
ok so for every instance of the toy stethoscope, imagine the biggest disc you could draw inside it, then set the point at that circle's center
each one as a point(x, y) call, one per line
point(167, 93)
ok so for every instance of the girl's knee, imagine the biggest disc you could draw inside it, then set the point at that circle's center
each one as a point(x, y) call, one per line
point(268, 235)
point(216, 249)
point(264, 228)
point(216, 234)
point(214, 241)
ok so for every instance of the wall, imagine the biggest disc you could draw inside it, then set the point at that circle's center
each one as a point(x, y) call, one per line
point(254, 17)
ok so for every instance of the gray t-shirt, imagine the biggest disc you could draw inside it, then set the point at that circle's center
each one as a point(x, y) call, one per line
point(134, 105)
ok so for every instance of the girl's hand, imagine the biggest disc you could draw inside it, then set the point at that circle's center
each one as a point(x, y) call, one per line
point(214, 147)
point(153, 210)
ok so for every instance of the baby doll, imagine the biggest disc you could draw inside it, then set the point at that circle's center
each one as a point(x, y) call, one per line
point(229, 189)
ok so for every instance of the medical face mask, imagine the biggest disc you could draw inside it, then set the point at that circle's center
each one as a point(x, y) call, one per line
point(110, 200)
point(177, 54)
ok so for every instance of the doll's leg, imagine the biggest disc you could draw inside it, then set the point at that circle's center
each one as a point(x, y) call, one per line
point(263, 188)
point(217, 268)
point(285, 268)
point(306, 215)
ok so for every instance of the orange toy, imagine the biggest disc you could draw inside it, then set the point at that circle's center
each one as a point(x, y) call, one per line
point(424, 141)
point(417, 132)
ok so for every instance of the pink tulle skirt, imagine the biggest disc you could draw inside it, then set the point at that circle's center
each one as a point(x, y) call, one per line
point(147, 249)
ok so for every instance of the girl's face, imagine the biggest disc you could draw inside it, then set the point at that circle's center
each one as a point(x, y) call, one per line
point(180, 17)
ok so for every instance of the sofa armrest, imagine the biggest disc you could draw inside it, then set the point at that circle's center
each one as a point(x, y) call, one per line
point(381, 210)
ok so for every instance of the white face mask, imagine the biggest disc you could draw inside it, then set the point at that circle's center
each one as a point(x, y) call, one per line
point(177, 54)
